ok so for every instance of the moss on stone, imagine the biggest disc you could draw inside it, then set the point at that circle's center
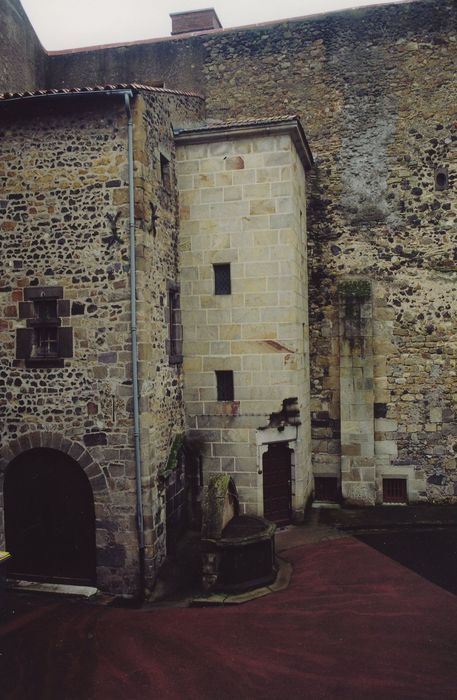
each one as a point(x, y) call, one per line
point(218, 486)
point(172, 461)
point(356, 289)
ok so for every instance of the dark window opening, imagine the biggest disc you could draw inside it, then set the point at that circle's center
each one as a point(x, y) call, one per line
point(326, 488)
point(441, 179)
point(222, 279)
point(46, 309)
point(174, 325)
point(225, 390)
point(165, 172)
point(394, 491)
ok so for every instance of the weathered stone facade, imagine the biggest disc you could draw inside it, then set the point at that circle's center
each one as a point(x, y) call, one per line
point(243, 204)
point(64, 181)
point(375, 91)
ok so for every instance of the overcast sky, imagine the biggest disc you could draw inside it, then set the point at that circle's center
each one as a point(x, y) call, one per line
point(64, 24)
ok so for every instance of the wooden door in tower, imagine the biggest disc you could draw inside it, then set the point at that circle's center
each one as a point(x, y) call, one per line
point(49, 518)
point(277, 476)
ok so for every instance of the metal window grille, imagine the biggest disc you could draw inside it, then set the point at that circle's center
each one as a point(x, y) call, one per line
point(46, 341)
point(222, 279)
point(326, 488)
point(175, 327)
point(45, 337)
point(394, 491)
point(224, 381)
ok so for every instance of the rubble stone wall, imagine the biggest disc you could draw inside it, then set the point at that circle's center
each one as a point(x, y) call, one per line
point(63, 169)
point(63, 173)
point(24, 60)
point(156, 217)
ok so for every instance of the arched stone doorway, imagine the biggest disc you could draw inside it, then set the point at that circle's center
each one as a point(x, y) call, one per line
point(49, 518)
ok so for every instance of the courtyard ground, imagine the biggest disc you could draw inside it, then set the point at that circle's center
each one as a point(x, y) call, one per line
point(371, 616)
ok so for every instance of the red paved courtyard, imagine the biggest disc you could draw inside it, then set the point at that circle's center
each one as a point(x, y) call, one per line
point(353, 624)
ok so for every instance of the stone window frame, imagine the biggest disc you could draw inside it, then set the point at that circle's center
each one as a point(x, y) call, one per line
point(174, 324)
point(27, 339)
point(165, 172)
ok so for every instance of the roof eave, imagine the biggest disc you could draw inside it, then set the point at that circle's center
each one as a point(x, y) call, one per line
point(292, 127)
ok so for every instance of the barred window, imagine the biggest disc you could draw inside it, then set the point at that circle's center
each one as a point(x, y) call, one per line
point(222, 279)
point(174, 324)
point(394, 491)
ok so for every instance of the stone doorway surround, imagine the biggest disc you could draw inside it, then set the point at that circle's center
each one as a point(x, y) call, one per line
point(49, 518)
point(109, 575)
point(288, 435)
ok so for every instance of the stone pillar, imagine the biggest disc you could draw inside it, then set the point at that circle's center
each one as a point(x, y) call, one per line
point(357, 396)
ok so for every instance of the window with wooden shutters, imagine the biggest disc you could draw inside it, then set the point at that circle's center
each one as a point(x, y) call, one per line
point(44, 342)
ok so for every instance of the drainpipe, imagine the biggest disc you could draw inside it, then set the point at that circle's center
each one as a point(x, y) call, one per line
point(136, 403)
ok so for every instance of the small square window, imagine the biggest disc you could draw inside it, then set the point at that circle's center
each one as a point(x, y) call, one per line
point(222, 279)
point(394, 491)
point(46, 309)
point(224, 381)
point(326, 488)
point(165, 172)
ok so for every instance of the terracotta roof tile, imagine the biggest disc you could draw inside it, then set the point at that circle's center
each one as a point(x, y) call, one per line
point(95, 88)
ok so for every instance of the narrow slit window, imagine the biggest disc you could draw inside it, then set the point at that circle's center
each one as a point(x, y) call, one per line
point(165, 173)
point(222, 279)
point(224, 381)
point(174, 326)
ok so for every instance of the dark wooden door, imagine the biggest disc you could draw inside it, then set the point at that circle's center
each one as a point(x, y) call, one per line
point(49, 518)
point(277, 493)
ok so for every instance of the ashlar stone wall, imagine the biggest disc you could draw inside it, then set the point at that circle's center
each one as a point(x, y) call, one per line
point(242, 202)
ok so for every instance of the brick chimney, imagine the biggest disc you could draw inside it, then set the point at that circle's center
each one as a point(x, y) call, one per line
point(194, 21)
